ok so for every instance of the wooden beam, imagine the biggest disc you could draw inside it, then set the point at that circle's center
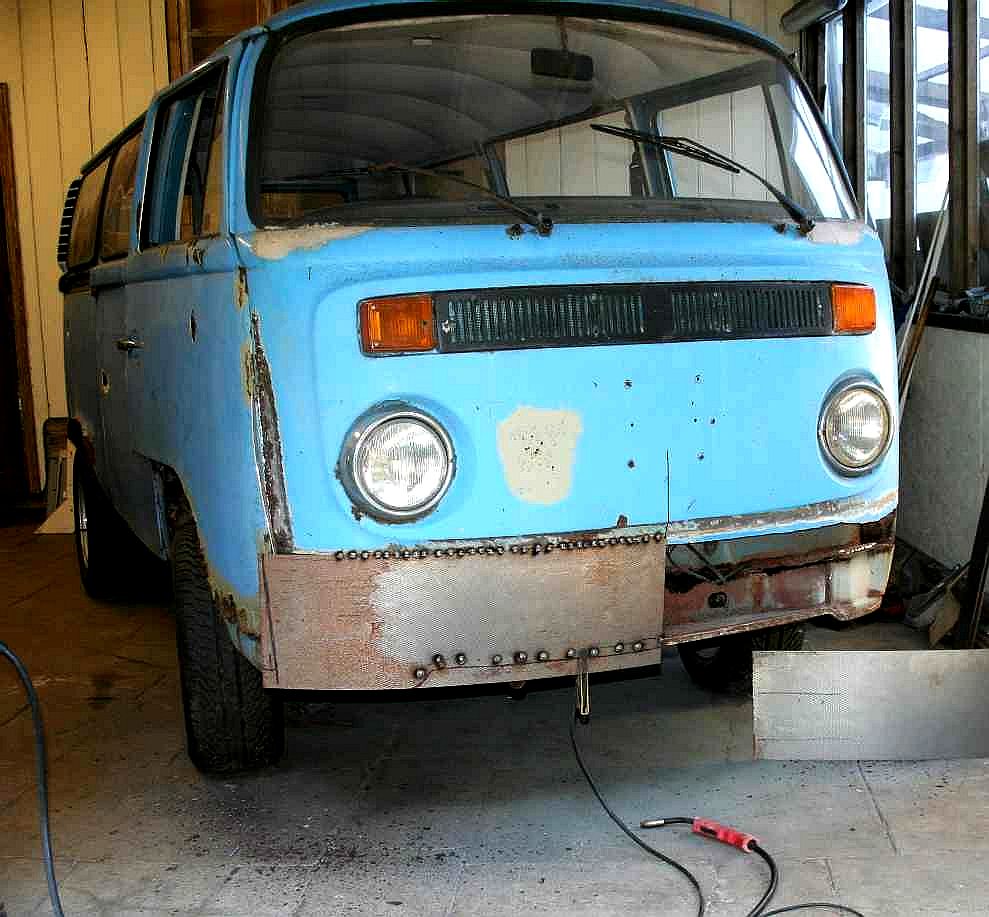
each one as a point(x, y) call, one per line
point(963, 148)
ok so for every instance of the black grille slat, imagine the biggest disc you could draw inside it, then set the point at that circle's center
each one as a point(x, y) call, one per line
point(520, 318)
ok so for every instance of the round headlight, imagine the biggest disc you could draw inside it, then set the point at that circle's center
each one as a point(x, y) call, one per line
point(398, 462)
point(856, 425)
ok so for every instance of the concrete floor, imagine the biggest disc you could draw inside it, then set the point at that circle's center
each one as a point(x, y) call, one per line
point(470, 805)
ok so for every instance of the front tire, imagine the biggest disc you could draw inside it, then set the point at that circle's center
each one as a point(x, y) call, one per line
point(724, 665)
point(232, 723)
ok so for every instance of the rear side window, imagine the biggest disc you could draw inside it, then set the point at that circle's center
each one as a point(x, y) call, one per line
point(119, 198)
point(185, 184)
point(85, 225)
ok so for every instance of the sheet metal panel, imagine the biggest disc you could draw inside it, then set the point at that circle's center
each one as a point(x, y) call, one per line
point(881, 705)
point(358, 624)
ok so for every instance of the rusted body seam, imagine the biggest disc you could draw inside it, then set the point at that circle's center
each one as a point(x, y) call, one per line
point(270, 458)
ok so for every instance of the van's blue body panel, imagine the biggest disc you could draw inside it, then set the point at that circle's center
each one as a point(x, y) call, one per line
point(738, 419)
point(680, 432)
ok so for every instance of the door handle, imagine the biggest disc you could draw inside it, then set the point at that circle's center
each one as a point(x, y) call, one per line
point(128, 344)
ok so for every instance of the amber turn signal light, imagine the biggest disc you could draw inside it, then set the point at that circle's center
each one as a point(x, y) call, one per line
point(853, 309)
point(398, 324)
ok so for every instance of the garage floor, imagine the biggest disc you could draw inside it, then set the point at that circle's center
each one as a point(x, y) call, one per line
point(470, 805)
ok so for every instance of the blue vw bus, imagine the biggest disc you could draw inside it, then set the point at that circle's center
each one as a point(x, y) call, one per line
point(455, 343)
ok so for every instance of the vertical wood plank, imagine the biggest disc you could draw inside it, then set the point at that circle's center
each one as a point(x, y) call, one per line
point(715, 130)
point(159, 42)
point(104, 69)
point(577, 150)
point(44, 150)
point(612, 157)
point(136, 57)
point(515, 166)
point(682, 122)
point(72, 85)
point(543, 167)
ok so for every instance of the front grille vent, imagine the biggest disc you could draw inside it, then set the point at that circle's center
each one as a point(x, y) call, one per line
point(520, 318)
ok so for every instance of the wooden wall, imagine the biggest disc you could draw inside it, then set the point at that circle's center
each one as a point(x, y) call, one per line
point(78, 71)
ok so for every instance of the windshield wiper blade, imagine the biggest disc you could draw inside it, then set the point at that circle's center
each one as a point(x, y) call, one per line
point(542, 223)
point(694, 150)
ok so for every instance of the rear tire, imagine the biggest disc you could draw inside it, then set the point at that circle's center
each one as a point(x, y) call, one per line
point(232, 723)
point(724, 665)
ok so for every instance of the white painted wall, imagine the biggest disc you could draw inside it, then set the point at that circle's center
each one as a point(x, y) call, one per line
point(944, 444)
point(78, 71)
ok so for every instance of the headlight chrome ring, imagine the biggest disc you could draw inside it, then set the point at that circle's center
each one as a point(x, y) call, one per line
point(403, 447)
point(846, 464)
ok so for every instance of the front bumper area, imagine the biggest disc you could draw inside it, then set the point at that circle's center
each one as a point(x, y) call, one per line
point(508, 610)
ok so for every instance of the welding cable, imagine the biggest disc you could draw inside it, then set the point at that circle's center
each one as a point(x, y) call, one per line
point(39, 748)
point(652, 851)
point(746, 843)
point(790, 908)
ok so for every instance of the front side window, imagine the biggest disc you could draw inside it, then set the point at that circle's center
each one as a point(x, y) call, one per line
point(511, 102)
point(119, 199)
point(184, 189)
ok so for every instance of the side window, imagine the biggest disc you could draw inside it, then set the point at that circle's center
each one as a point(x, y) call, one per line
point(184, 198)
point(85, 223)
point(119, 198)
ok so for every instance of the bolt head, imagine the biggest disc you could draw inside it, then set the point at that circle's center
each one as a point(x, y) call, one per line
point(542, 655)
point(460, 659)
point(439, 661)
point(594, 652)
point(638, 646)
point(419, 674)
point(619, 647)
point(571, 653)
point(521, 657)
point(496, 659)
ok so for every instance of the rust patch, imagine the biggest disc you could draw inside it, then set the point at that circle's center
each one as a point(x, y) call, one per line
point(275, 244)
point(235, 614)
point(272, 468)
point(241, 293)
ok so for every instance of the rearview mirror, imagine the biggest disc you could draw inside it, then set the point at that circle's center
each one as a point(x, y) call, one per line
point(566, 65)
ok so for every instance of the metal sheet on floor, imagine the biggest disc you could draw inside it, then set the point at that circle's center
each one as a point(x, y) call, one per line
point(882, 705)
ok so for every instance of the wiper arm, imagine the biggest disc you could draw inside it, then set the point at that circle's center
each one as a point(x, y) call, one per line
point(694, 150)
point(542, 223)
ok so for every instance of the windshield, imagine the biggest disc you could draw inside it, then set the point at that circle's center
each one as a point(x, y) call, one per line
point(508, 102)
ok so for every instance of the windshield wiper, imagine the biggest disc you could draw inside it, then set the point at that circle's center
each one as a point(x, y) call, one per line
point(694, 150)
point(542, 223)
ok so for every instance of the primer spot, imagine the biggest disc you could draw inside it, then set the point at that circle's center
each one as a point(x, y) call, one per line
point(536, 447)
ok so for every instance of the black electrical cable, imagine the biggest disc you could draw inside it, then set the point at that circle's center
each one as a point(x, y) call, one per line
point(753, 846)
point(652, 851)
point(42, 762)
